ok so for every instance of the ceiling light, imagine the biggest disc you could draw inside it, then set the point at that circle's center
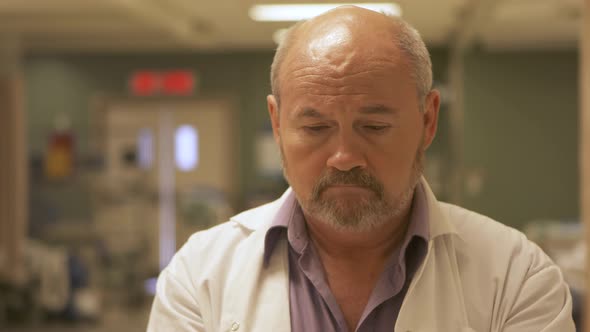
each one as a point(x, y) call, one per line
point(296, 12)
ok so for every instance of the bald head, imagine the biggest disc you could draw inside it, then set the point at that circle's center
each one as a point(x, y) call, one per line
point(346, 32)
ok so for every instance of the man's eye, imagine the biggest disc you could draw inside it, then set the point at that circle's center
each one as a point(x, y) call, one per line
point(376, 128)
point(316, 129)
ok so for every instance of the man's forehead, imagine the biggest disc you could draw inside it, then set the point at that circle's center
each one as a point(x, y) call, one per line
point(342, 43)
point(324, 65)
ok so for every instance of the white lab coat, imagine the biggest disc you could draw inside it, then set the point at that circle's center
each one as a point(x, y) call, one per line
point(478, 275)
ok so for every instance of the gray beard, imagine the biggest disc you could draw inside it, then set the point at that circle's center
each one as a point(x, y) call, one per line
point(365, 214)
point(361, 215)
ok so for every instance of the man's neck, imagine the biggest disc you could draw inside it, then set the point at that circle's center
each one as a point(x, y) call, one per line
point(353, 261)
point(357, 246)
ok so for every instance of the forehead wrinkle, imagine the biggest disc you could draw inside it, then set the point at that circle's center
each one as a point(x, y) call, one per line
point(322, 89)
point(325, 85)
point(312, 72)
point(339, 94)
point(305, 68)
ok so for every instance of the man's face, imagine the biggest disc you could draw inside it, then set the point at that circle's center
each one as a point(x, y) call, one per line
point(351, 135)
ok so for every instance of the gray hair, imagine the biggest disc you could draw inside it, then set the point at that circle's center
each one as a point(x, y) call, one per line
point(408, 41)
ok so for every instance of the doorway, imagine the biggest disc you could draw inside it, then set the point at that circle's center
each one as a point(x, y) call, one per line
point(170, 169)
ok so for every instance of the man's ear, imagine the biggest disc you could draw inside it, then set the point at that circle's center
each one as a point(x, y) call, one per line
point(431, 108)
point(273, 112)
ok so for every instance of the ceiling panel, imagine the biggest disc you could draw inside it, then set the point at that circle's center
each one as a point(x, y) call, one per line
point(528, 24)
point(224, 24)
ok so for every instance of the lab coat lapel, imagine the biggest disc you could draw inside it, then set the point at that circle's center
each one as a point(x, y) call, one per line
point(435, 300)
point(258, 297)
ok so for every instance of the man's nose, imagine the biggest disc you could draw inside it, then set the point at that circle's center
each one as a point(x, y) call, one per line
point(347, 154)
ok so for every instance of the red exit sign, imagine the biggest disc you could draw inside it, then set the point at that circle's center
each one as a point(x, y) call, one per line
point(162, 83)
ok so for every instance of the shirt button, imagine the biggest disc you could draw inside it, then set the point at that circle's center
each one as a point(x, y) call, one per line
point(235, 326)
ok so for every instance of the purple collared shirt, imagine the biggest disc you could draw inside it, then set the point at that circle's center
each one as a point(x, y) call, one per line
point(312, 304)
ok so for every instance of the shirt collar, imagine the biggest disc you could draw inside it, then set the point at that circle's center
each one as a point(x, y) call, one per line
point(419, 220)
point(279, 225)
point(415, 243)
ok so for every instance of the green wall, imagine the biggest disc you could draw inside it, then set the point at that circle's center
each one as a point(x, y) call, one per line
point(521, 129)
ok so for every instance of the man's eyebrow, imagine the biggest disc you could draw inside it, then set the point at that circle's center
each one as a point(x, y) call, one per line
point(309, 112)
point(379, 109)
